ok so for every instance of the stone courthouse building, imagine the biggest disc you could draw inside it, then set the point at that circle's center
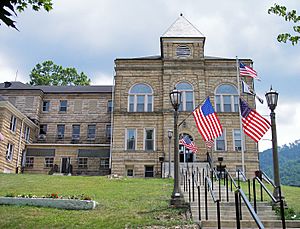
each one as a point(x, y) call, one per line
point(68, 128)
point(143, 113)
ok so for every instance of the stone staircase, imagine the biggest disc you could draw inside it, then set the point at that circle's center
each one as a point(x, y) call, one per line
point(227, 209)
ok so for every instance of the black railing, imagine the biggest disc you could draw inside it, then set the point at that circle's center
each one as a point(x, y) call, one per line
point(274, 200)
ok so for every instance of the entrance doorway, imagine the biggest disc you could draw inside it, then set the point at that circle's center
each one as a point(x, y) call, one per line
point(185, 155)
point(65, 163)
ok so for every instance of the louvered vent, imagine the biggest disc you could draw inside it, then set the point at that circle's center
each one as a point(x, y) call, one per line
point(183, 51)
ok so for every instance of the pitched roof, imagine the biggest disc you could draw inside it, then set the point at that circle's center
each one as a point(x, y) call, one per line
point(16, 85)
point(182, 28)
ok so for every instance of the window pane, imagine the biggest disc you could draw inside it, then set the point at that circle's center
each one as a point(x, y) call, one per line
point(63, 105)
point(227, 103)
point(108, 131)
point(218, 103)
point(141, 88)
point(91, 131)
point(149, 172)
point(60, 131)
point(149, 105)
point(131, 139)
point(140, 103)
point(227, 89)
point(46, 105)
point(43, 129)
point(109, 106)
point(189, 101)
point(76, 131)
point(236, 103)
point(131, 103)
point(237, 140)
point(149, 141)
point(184, 86)
point(220, 143)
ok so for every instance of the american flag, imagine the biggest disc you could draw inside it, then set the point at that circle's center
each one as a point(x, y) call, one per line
point(247, 71)
point(186, 141)
point(207, 122)
point(254, 125)
point(209, 144)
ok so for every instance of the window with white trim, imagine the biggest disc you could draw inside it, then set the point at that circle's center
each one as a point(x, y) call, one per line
point(63, 104)
point(46, 105)
point(49, 161)
point(187, 96)
point(237, 140)
point(91, 133)
point(104, 163)
point(130, 139)
point(221, 142)
point(108, 131)
point(60, 131)
point(82, 162)
point(27, 133)
point(140, 98)
point(109, 106)
point(149, 139)
point(29, 162)
point(226, 98)
point(75, 132)
point(9, 152)
point(13, 123)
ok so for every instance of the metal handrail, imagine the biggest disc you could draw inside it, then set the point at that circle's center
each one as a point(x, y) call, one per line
point(250, 208)
point(268, 179)
point(232, 180)
point(243, 175)
point(210, 189)
point(266, 189)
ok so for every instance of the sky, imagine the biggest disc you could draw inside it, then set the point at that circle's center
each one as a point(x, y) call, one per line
point(90, 35)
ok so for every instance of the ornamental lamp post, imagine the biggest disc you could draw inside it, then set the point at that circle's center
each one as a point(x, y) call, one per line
point(170, 134)
point(177, 197)
point(272, 98)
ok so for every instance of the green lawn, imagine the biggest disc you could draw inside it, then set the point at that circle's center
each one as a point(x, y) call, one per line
point(122, 203)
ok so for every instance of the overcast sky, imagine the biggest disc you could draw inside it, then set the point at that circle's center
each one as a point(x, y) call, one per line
point(89, 35)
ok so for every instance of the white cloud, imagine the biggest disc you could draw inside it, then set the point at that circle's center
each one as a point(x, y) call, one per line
point(9, 70)
point(100, 78)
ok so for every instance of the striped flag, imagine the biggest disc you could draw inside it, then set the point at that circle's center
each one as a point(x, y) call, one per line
point(254, 125)
point(247, 71)
point(209, 144)
point(246, 89)
point(207, 121)
point(186, 141)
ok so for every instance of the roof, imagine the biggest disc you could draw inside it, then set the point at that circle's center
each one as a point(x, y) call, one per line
point(16, 85)
point(182, 28)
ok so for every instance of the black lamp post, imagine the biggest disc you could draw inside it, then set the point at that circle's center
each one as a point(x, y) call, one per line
point(170, 134)
point(177, 197)
point(272, 98)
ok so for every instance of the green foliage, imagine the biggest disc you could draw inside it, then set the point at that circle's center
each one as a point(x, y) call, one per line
point(49, 73)
point(289, 163)
point(290, 16)
point(8, 8)
point(123, 203)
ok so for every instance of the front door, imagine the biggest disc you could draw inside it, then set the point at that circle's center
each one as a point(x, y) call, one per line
point(65, 161)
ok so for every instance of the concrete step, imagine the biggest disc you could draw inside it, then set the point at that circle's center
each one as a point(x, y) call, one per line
point(249, 224)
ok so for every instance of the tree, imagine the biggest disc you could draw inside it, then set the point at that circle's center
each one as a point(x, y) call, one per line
point(49, 73)
point(290, 16)
point(8, 9)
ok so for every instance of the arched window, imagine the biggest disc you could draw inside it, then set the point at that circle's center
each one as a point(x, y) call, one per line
point(140, 98)
point(187, 96)
point(226, 98)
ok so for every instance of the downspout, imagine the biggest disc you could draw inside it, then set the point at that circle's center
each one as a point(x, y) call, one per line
point(19, 147)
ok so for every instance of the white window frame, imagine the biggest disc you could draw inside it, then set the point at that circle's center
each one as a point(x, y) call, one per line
point(61, 135)
point(135, 100)
point(75, 136)
point(183, 96)
point(242, 140)
point(9, 152)
point(154, 139)
point(47, 102)
point(47, 165)
point(27, 134)
point(232, 96)
point(135, 143)
point(13, 124)
point(31, 164)
point(106, 165)
point(81, 164)
point(225, 141)
point(60, 106)
point(88, 134)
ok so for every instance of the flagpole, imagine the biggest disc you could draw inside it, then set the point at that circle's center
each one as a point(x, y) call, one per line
point(192, 112)
point(240, 115)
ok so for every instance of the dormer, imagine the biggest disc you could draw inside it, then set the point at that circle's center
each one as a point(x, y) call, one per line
point(182, 41)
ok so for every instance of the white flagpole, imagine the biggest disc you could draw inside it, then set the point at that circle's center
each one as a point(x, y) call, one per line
point(240, 115)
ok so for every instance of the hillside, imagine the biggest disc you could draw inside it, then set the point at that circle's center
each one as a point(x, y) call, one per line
point(289, 163)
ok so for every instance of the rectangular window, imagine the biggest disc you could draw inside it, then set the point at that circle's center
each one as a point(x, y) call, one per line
point(150, 105)
point(75, 132)
point(140, 107)
point(227, 103)
point(237, 140)
point(236, 103)
point(49, 162)
point(63, 105)
point(82, 162)
point(218, 103)
point(131, 139)
point(149, 171)
point(104, 163)
point(131, 103)
point(91, 132)
point(108, 131)
point(149, 139)
point(189, 101)
point(9, 152)
point(43, 129)
point(60, 131)
point(46, 105)
point(27, 133)
point(220, 143)
point(109, 106)
point(29, 162)
point(13, 123)
point(130, 172)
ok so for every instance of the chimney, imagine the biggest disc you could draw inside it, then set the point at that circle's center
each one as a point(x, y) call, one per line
point(7, 84)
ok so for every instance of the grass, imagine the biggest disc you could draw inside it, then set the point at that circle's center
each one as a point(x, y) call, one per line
point(123, 203)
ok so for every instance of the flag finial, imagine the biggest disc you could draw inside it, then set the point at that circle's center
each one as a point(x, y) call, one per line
point(181, 14)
